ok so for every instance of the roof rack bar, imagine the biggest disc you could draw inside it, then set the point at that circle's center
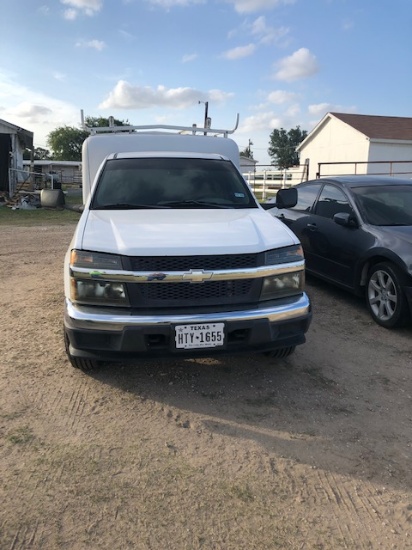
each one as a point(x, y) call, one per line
point(194, 129)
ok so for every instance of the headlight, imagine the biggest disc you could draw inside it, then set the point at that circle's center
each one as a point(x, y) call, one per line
point(99, 292)
point(95, 260)
point(282, 285)
point(286, 255)
point(89, 291)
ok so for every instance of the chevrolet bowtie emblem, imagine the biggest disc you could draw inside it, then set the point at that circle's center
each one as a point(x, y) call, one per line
point(197, 276)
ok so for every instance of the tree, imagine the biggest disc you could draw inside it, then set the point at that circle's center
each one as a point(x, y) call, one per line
point(66, 141)
point(248, 153)
point(38, 154)
point(282, 146)
point(98, 122)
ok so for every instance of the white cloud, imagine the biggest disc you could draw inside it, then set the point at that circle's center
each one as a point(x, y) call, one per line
point(129, 37)
point(217, 96)
point(95, 44)
point(189, 57)
point(30, 112)
point(249, 6)
point(320, 109)
point(265, 33)
point(172, 3)
point(87, 7)
point(239, 52)
point(348, 25)
point(258, 127)
point(59, 76)
point(281, 96)
point(264, 121)
point(33, 110)
point(126, 96)
point(301, 64)
point(70, 14)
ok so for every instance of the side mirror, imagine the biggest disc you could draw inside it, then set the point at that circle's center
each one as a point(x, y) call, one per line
point(287, 198)
point(345, 219)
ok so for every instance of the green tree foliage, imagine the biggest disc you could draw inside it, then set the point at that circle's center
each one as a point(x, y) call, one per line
point(282, 146)
point(66, 141)
point(247, 152)
point(38, 154)
point(98, 122)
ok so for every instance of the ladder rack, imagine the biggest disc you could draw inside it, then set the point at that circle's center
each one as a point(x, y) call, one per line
point(193, 130)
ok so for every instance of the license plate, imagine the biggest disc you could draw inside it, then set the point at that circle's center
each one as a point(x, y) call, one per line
point(209, 335)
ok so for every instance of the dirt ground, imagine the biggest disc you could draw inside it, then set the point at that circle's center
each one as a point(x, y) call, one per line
point(242, 453)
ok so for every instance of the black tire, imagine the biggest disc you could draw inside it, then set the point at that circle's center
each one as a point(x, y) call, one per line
point(85, 365)
point(280, 353)
point(385, 297)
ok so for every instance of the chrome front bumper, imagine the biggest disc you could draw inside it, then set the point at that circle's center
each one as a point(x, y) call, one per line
point(89, 318)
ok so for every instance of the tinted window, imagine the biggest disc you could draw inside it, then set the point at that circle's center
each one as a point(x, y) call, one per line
point(159, 181)
point(385, 205)
point(306, 196)
point(331, 201)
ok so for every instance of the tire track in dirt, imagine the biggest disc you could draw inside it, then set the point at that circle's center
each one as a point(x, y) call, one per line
point(359, 510)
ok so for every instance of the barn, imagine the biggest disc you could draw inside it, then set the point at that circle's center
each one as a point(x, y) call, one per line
point(344, 143)
point(13, 141)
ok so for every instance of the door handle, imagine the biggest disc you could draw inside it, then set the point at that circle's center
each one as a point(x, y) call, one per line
point(312, 226)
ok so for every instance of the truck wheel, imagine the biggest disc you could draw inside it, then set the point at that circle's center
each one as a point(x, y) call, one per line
point(85, 365)
point(280, 353)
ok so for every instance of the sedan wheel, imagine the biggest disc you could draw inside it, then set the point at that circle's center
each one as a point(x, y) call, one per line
point(385, 298)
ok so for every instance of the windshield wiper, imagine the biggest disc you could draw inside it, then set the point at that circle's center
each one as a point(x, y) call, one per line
point(193, 203)
point(126, 206)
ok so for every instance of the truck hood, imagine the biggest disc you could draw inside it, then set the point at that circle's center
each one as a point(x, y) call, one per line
point(181, 232)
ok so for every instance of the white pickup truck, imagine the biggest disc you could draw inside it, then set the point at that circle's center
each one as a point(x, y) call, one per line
point(173, 255)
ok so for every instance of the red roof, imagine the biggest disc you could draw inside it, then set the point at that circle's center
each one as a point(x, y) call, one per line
point(379, 127)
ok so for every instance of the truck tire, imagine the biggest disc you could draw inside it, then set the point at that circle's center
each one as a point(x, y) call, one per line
point(280, 353)
point(85, 365)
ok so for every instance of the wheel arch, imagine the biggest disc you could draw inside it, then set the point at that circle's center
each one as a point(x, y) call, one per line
point(377, 257)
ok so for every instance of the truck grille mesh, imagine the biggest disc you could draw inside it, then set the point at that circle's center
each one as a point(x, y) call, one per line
point(186, 263)
point(188, 292)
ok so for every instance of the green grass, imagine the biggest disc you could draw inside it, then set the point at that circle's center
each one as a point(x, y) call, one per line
point(20, 435)
point(42, 216)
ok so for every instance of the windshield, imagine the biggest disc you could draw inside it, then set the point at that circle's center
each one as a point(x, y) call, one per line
point(171, 183)
point(385, 205)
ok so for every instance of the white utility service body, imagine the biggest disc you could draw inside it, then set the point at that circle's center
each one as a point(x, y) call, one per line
point(174, 272)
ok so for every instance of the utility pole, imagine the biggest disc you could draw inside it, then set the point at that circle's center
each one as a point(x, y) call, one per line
point(249, 149)
point(207, 119)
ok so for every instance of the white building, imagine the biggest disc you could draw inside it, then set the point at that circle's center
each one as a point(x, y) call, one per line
point(67, 171)
point(345, 143)
point(247, 165)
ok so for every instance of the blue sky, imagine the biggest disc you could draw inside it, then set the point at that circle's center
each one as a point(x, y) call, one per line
point(278, 63)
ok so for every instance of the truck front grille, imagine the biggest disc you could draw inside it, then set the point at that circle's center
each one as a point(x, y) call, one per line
point(186, 263)
point(180, 292)
point(192, 294)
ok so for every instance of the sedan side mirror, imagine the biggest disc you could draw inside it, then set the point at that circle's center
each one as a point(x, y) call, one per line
point(345, 219)
point(285, 198)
